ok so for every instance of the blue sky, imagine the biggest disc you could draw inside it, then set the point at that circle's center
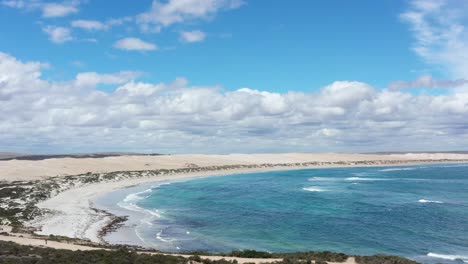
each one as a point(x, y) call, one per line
point(279, 46)
point(221, 76)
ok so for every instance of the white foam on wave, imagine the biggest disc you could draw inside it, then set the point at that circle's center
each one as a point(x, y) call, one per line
point(399, 169)
point(133, 197)
point(364, 174)
point(146, 222)
point(448, 257)
point(130, 202)
point(364, 179)
point(429, 201)
point(313, 189)
point(136, 208)
point(451, 166)
point(322, 179)
point(346, 179)
point(160, 238)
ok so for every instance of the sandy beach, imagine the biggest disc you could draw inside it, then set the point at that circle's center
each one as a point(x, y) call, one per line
point(72, 213)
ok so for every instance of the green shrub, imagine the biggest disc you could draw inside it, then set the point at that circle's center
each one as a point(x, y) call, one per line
point(383, 259)
point(249, 254)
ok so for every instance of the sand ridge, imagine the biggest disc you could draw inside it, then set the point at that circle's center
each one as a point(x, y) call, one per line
point(27, 170)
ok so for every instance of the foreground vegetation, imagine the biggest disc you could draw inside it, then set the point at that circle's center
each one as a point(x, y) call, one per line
point(14, 253)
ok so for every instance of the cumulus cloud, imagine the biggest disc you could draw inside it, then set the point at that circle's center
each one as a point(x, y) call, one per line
point(58, 10)
point(192, 36)
point(427, 81)
point(14, 3)
point(135, 44)
point(178, 11)
point(75, 115)
point(48, 10)
point(58, 34)
point(95, 25)
point(441, 38)
point(89, 24)
point(93, 78)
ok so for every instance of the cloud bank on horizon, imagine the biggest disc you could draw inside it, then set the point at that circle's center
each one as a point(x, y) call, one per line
point(39, 114)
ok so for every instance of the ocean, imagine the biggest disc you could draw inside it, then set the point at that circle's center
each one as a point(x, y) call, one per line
point(419, 212)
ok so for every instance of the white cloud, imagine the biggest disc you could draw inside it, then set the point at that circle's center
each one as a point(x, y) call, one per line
point(134, 44)
point(95, 25)
point(441, 37)
point(90, 79)
point(178, 11)
point(48, 10)
point(89, 24)
point(14, 3)
point(42, 115)
point(427, 81)
point(192, 36)
point(58, 34)
point(139, 88)
point(118, 21)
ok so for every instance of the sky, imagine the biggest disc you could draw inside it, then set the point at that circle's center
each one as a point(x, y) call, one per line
point(230, 76)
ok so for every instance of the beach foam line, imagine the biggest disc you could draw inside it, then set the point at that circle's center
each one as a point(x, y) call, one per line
point(429, 201)
point(139, 195)
point(133, 197)
point(313, 189)
point(129, 202)
point(448, 257)
point(160, 238)
point(136, 208)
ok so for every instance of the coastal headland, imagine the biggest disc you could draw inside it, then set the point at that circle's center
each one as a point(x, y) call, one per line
point(52, 197)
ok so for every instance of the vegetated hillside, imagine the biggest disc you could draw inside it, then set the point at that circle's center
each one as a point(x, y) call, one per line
point(14, 253)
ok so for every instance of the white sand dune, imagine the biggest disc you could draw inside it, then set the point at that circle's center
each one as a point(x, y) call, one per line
point(32, 170)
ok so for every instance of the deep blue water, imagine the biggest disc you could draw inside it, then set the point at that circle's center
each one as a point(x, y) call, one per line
point(410, 211)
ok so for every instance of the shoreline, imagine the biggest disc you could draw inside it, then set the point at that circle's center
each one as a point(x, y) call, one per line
point(58, 195)
point(84, 220)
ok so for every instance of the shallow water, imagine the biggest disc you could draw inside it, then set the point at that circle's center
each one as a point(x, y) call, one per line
point(420, 212)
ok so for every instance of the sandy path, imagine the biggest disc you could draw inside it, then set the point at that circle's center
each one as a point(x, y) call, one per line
point(28, 241)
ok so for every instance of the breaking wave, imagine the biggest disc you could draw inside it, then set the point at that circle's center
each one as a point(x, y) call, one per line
point(398, 169)
point(429, 201)
point(448, 257)
point(313, 189)
point(364, 179)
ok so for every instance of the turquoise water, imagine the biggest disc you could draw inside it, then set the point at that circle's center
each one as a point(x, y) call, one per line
point(419, 212)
